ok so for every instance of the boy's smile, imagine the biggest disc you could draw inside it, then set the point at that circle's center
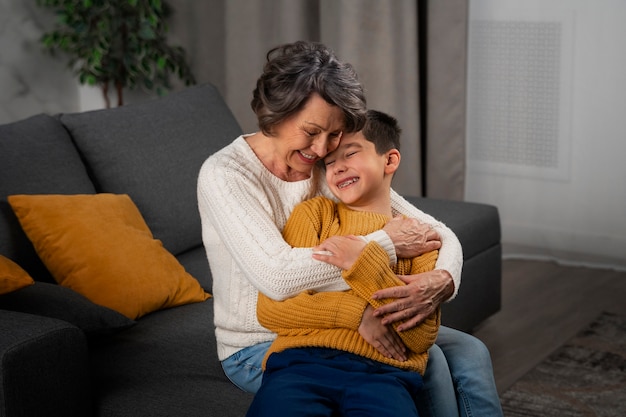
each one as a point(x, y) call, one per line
point(344, 184)
point(358, 176)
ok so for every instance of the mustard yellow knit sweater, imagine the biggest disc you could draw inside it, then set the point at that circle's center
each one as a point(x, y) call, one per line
point(331, 319)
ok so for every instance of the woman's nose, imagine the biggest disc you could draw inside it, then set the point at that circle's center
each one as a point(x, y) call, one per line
point(321, 146)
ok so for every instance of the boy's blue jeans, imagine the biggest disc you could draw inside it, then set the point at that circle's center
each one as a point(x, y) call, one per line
point(458, 380)
point(328, 382)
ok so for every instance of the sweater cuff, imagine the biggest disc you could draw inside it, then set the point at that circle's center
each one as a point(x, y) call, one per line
point(382, 238)
point(350, 314)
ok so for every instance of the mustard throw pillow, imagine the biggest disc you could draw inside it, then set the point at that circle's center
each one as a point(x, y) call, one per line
point(100, 246)
point(12, 276)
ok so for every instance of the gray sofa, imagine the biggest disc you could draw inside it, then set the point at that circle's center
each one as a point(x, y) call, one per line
point(60, 354)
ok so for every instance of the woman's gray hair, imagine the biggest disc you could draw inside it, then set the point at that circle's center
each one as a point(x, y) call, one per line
point(293, 72)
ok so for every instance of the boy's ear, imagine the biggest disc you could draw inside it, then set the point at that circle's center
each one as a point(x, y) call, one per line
point(393, 161)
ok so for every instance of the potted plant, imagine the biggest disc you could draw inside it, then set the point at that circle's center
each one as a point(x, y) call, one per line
point(117, 44)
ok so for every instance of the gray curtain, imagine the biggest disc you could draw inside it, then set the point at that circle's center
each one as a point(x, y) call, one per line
point(410, 56)
point(445, 87)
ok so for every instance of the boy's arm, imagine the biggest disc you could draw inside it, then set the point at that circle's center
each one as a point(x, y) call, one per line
point(371, 273)
point(311, 310)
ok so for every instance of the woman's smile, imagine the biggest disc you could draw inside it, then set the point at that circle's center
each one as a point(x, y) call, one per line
point(309, 158)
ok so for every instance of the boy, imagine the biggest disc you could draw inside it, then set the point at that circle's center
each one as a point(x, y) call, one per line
point(319, 363)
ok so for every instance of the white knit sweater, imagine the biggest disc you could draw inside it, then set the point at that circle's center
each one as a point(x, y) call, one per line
point(243, 208)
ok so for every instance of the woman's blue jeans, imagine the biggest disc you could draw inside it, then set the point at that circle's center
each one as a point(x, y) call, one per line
point(458, 380)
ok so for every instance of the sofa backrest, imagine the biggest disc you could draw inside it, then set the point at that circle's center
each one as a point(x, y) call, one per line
point(37, 156)
point(151, 150)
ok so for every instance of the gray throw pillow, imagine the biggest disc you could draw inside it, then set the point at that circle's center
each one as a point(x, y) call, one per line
point(55, 301)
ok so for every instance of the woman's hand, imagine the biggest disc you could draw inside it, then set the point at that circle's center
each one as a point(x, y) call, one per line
point(411, 237)
point(418, 299)
point(382, 337)
point(341, 251)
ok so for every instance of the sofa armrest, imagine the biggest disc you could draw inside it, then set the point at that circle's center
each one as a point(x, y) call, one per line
point(477, 226)
point(44, 367)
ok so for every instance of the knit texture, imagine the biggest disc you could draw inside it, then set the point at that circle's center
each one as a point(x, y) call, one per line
point(243, 208)
point(302, 322)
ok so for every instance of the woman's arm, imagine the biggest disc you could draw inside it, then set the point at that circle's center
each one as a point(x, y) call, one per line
point(450, 254)
point(371, 273)
point(241, 215)
point(421, 233)
point(240, 212)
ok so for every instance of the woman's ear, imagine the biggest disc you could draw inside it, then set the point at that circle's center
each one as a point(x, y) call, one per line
point(393, 161)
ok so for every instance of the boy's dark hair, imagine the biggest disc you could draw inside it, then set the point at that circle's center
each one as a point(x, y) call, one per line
point(382, 130)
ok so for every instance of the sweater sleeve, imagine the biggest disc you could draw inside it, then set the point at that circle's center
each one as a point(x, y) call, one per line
point(370, 273)
point(234, 204)
point(311, 310)
point(378, 236)
point(450, 254)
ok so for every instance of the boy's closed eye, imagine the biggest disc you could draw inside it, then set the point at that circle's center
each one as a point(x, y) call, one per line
point(329, 161)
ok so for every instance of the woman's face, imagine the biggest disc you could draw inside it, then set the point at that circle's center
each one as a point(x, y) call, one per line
point(308, 136)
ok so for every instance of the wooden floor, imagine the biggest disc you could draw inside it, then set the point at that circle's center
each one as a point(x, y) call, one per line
point(543, 305)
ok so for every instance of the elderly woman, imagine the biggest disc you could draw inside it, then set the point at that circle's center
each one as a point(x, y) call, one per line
point(304, 100)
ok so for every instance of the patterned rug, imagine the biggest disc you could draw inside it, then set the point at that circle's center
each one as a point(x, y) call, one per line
point(585, 377)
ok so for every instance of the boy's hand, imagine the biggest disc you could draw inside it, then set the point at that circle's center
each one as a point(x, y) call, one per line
point(411, 238)
point(341, 251)
point(383, 338)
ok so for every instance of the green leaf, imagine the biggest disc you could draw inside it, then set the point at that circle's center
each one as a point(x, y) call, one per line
point(47, 40)
point(146, 32)
point(161, 62)
point(121, 41)
point(91, 80)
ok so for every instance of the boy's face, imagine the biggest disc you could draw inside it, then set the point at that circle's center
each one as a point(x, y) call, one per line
point(356, 174)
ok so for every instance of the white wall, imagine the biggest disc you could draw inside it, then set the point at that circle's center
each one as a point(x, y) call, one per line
point(572, 208)
point(31, 81)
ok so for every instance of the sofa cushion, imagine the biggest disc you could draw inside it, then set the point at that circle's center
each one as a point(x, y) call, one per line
point(100, 246)
point(57, 302)
point(36, 156)
point(153, 152)
point(166, 365)
point(12, 276)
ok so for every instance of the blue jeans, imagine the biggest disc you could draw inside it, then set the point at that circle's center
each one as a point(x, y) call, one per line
point(459, 366)
point(327, 382)
point(458, 380)
point(243, 368)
